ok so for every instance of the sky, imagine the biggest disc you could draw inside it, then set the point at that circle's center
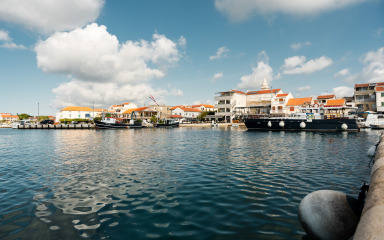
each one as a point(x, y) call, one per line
point(96, 53)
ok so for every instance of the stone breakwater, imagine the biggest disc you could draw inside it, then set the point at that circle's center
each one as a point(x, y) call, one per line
point(371, 225)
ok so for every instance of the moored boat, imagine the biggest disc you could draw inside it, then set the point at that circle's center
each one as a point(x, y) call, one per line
point(168, 123)
point(309, 119)
point(110, 123)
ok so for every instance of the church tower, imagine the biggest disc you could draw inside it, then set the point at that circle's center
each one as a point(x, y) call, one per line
point(264, 85)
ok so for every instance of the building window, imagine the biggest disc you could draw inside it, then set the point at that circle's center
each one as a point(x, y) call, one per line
point(292, 109)
point(273, 108)
point(382, 94)
point(280, 107)
point(382, 104)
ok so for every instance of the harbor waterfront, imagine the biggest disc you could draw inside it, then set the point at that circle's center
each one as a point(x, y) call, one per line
point(171, 183)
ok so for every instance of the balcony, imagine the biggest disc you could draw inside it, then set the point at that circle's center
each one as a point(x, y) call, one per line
point(220, 98)
point(365, 100)
point(366, 92)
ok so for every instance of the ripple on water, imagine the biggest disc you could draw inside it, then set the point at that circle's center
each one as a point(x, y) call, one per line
point(170, 183)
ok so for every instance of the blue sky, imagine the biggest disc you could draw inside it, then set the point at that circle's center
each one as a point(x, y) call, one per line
point(85, 52)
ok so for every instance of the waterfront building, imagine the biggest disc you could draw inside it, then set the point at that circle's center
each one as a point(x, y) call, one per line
point(380, 98)
point(143, 113)
point(294, 104)
point(119, 109)
point(8, 117)
point(163, 111)
point(365, 96)
point(227, 102)
point(279, 103)
point(187, 113)
point(205, 107)
point(323, 98)
point(73, 112)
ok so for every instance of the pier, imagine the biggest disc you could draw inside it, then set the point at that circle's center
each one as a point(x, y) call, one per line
point(371, 225)
point(58, 126)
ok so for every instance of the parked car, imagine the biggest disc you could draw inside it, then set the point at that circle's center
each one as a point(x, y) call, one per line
point(74, 122)
point(46, 122)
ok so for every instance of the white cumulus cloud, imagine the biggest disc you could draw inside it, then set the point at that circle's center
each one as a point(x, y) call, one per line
point(50, 16)
point(221, 53)
point(7, 41)
point(299, 64)
point(373, 70)
point(304, 88)
point(342, 73)
point(297, 46)
point(103, 69)
point(217, 76)
point(343, 91)
point(255, 79)
point(240, 10)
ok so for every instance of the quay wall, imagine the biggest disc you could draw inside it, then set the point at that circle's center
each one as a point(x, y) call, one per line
point(59, 126)
point(371, 225)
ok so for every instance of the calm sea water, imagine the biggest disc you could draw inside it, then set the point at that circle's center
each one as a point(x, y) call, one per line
point(179, 183)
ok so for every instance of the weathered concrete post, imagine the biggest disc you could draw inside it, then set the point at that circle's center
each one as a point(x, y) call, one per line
point(371, 225)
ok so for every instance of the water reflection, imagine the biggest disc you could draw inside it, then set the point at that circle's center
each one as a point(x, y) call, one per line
point(170, 183)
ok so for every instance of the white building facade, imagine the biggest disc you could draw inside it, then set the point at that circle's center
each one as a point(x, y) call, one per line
point(227, 102)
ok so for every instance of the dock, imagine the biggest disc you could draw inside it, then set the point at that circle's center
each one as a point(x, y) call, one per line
point(58, 126)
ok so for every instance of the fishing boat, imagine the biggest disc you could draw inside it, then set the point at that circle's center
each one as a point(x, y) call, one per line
point(109, 123)
point(319, 118)
point(168, 123)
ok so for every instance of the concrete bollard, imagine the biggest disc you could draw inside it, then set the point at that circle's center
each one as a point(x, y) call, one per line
point(371, 225)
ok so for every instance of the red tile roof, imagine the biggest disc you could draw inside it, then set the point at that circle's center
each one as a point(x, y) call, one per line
point(282, 95)
point(263, 91)
point(299, 101)
point(326, 96)
point(379, 89)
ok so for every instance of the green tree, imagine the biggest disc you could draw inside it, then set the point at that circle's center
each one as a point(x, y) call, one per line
point(153, 119)
point(23, 116)
point(41, 118)
point(202, 115)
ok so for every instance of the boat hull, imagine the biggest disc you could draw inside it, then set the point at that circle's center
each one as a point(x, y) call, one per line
point(167, 125)
point(296, 124)
point(102, 125)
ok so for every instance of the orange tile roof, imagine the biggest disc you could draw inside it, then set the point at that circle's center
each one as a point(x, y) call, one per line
point(335, 102)
point(135, 110)
point(176, 116)
point(299, 101)
point(126, 103)
point(263, 91)
point(380, 84)
point(9, 116)
point(185, 109)
point(379, 89)
point(326, 96)
point(80, 109)
point(100, 110)
point(205, 105)
point(282, 95)
point(237, 91)
point(173, 108)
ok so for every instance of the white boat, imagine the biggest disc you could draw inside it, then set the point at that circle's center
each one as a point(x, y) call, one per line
point(15, 125)
point(374, 120)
